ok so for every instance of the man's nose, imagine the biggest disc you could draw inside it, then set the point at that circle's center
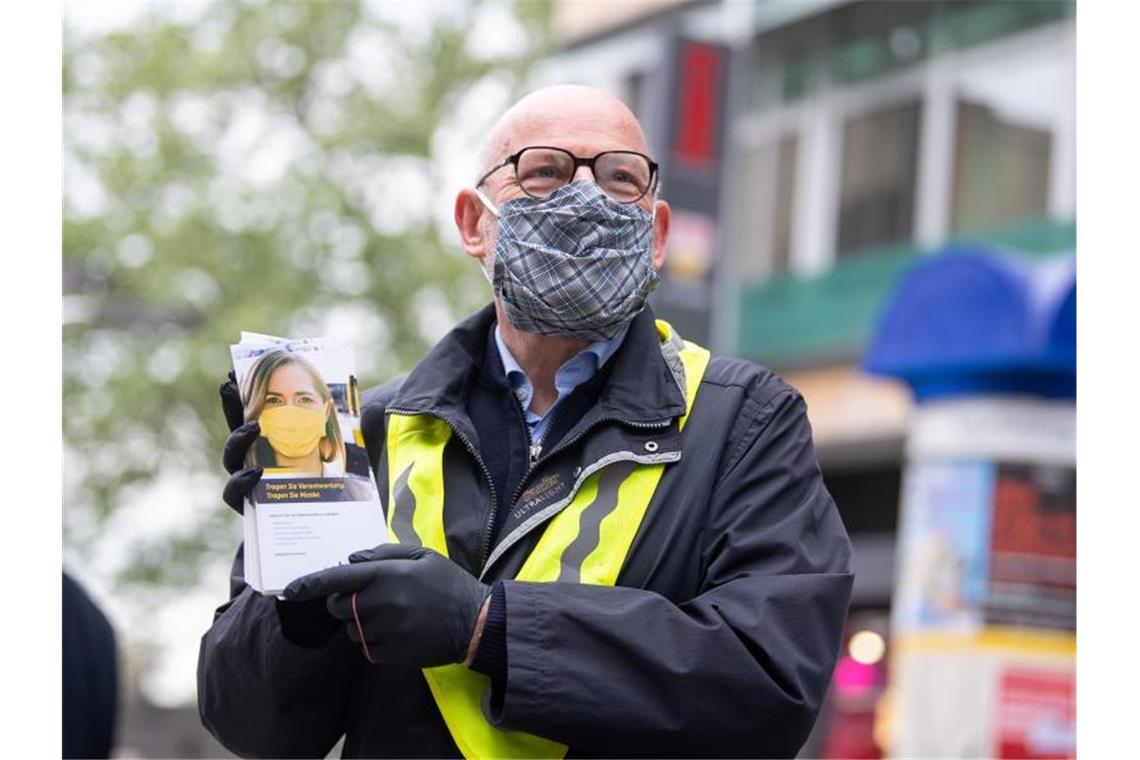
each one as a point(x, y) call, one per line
point(583, 172)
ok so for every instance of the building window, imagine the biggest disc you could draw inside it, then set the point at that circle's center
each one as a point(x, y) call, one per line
point(785, 193)
point(764, 198)
point(879, 166)
point(1001, 169)
point(1012, 128)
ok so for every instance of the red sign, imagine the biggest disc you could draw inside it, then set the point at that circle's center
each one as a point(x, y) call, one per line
point(698, 105)
point(1033, 548)
point(1037, 714)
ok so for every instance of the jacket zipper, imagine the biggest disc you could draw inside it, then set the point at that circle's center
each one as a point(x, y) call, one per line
point(482, 466)
point(535, 454)
point(536, 446)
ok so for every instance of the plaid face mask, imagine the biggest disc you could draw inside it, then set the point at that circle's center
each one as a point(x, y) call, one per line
point(576, 263)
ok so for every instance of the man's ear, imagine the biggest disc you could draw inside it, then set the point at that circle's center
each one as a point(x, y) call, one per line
point(469, 212)
point(660, 234)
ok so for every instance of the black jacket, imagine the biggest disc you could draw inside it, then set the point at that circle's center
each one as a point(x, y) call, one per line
point(719, 639)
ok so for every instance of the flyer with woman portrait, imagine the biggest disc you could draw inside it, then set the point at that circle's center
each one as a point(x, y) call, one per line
point(316, 502)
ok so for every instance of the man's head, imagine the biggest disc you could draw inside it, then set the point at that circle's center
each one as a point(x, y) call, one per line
point(582, 120)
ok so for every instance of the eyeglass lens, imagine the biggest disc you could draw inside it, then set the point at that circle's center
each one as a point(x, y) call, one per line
point(625, 177)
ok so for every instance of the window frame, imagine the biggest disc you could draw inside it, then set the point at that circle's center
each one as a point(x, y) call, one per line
point(818, 121)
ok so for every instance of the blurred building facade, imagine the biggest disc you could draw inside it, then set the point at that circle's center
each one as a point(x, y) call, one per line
point(812, 151)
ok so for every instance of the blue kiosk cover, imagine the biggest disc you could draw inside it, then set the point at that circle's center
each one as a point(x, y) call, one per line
point(973, 320)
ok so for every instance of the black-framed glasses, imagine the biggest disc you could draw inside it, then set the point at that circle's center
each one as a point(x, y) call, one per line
point(624, 175)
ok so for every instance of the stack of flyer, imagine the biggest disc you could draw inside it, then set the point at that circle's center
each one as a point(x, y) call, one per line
point(316, 502)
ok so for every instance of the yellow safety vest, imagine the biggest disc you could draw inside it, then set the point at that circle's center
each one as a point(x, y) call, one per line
point(587, 541)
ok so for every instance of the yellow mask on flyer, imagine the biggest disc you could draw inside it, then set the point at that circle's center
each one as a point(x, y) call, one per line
point(292, 431)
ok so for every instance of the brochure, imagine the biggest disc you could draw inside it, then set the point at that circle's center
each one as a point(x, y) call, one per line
point(316, 502)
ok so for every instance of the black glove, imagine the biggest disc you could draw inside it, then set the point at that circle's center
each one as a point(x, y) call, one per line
point(407, 605)
point(242, 436)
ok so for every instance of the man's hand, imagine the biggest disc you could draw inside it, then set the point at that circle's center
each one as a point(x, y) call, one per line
point(242, 436)
point(407, 605)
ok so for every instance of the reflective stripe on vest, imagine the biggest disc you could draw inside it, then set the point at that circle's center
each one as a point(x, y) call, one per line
point(586, 542)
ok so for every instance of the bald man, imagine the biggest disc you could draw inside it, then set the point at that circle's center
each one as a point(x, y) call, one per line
point(604, 541)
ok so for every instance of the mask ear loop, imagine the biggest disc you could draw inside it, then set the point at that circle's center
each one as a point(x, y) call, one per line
point(490, 207)
point(330, 433)
point(487, 202)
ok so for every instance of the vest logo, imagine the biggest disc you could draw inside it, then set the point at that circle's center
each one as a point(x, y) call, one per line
point(540, 491)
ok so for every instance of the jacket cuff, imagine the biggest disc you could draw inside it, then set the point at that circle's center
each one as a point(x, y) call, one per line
point(307, 624)
point(491, 655)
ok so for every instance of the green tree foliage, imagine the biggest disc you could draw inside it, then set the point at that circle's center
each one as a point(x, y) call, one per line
point(262, 166)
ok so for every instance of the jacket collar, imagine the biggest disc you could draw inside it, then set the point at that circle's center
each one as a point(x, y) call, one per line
point(640, 387)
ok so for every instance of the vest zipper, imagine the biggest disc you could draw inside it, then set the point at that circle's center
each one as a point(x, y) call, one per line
point(536, 456)
point(536, 448)
point(655, 425)
point(482, 466)
point(514, 537)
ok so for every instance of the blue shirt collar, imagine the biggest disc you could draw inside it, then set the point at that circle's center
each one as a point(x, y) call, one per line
point(575, 371)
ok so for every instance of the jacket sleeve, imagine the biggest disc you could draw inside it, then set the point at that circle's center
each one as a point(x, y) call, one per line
point(742, 668)
point(273, 682)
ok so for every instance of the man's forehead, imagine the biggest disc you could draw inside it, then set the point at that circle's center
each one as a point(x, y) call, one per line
point(585, 133)
point(582, 120)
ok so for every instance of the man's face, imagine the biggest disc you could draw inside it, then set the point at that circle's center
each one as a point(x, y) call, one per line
point(582, 121)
